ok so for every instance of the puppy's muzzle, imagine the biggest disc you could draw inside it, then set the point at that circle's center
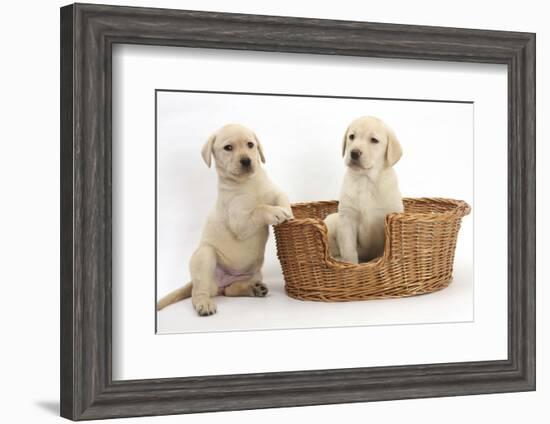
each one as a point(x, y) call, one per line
point(355, 154)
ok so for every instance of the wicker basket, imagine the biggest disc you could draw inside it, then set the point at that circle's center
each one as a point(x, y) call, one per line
point(418, 253)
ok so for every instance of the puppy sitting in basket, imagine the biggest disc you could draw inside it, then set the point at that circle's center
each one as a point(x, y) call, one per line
point(230, 255)
point(369, 191)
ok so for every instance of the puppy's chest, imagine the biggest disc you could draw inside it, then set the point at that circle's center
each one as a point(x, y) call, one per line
point(363, 196)
point(370, 205)
point(244, 202)
point(247, 201)
point(366, 198)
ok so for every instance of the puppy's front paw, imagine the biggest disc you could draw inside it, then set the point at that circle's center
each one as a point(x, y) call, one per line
point(276, 215)
point(260, 289)
point(204, 306)
point(352, 259)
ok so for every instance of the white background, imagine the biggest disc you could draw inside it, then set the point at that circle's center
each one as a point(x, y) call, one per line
point(301, 138)
point(30, 215)
point(138, 70)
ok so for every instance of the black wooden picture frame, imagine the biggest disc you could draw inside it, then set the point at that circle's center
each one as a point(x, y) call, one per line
point(88, 33)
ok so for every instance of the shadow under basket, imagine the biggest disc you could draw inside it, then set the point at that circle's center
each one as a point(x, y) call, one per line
point(418, 253)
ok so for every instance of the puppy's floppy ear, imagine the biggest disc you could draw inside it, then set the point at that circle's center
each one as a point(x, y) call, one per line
point(206, 151)
point(393, 150)
point(260, 150)
point(344, 142)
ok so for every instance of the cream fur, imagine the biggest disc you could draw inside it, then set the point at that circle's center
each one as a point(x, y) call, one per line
point(236, 230)
point(369, 191)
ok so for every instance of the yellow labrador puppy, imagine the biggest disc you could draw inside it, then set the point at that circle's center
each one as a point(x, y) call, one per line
point(230, 254)
point(369, 191)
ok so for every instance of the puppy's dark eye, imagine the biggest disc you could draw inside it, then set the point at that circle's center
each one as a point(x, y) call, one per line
point(351, 136)
point(229, 147)
point(374, 140)
point(250, 145)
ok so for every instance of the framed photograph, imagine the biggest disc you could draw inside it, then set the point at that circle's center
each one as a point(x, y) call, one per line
point(262, 211)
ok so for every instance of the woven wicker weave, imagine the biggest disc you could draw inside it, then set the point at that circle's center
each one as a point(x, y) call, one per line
point(418, 253)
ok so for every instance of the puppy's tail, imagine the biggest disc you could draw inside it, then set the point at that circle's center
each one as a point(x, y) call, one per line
point(175, 296)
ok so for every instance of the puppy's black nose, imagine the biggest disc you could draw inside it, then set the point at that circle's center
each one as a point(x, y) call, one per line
point(245, 162)
point(355, 154)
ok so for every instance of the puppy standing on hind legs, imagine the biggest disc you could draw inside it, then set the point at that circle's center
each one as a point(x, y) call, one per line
point(230, 255)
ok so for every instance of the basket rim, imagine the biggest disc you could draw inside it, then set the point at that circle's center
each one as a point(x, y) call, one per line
point(461, 209)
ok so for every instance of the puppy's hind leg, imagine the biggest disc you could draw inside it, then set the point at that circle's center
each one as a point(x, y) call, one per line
point(252, 288)
point(203, 266)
